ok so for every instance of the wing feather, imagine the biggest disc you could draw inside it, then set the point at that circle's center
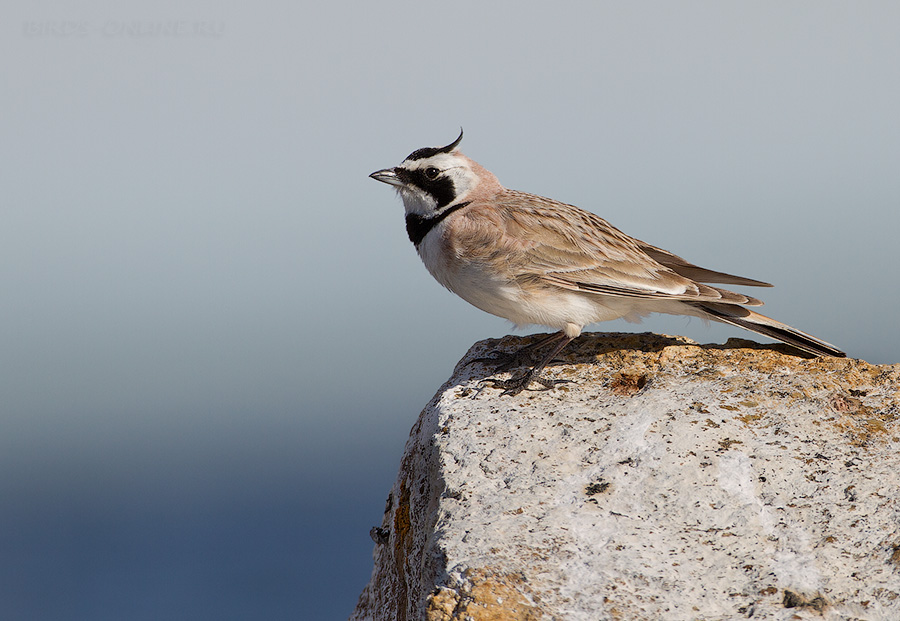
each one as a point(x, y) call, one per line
point(577, 250)
point(695, 272)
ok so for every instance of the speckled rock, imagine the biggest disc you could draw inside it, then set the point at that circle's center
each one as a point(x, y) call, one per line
point(668, 480)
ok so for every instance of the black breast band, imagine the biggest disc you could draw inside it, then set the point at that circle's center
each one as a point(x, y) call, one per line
point(417, 227)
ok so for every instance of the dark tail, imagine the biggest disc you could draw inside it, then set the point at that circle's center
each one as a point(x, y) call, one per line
point(749, 320)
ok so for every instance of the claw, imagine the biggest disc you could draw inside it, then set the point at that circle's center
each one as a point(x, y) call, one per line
point(515, 385)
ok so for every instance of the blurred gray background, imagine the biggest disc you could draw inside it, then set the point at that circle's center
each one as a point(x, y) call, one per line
point(215, 334)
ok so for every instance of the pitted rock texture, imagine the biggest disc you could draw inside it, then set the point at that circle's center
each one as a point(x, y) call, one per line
point(668, 480)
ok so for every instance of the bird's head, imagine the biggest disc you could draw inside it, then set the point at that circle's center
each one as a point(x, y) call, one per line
point(432, 179)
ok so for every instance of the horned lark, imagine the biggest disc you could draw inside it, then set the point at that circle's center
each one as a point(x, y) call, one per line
point(534, 260)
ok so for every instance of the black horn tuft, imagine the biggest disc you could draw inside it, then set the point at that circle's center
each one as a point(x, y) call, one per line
point(421, 154)
point(453, 144)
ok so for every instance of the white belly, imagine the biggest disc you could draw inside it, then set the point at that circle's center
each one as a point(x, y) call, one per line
point(527, 304)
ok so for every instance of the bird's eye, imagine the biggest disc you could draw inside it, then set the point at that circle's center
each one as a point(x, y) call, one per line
point(432, 173)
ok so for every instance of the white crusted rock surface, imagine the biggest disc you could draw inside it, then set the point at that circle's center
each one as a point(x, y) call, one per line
point(668, 480)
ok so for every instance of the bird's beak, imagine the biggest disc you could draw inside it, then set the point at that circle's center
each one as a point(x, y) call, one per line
point(388, 175)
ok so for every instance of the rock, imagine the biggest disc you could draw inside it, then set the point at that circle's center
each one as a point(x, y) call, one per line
point(668, 480)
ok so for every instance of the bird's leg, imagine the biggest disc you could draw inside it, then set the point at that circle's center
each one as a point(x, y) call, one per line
point(519, 358)
point(514, 386)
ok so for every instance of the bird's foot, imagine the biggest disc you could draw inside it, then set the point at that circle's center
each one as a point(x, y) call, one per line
point(522, 357)
point(515, 385)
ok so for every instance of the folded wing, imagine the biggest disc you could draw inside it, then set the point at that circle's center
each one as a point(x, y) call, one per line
point(603, 260)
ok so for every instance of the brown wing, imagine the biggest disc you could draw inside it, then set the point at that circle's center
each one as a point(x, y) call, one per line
point(577, 250)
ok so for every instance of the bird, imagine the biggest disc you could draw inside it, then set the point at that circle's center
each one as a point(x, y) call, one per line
point(538, 261)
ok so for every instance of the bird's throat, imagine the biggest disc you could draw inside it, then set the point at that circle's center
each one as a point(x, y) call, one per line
point(418, 226)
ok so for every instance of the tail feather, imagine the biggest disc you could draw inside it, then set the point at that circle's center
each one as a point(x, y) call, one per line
point(749, 320)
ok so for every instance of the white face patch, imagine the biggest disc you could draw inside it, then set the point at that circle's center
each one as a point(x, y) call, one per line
point(453, 168)
point(441, 161)
point(464, 179)
point(416, 201)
